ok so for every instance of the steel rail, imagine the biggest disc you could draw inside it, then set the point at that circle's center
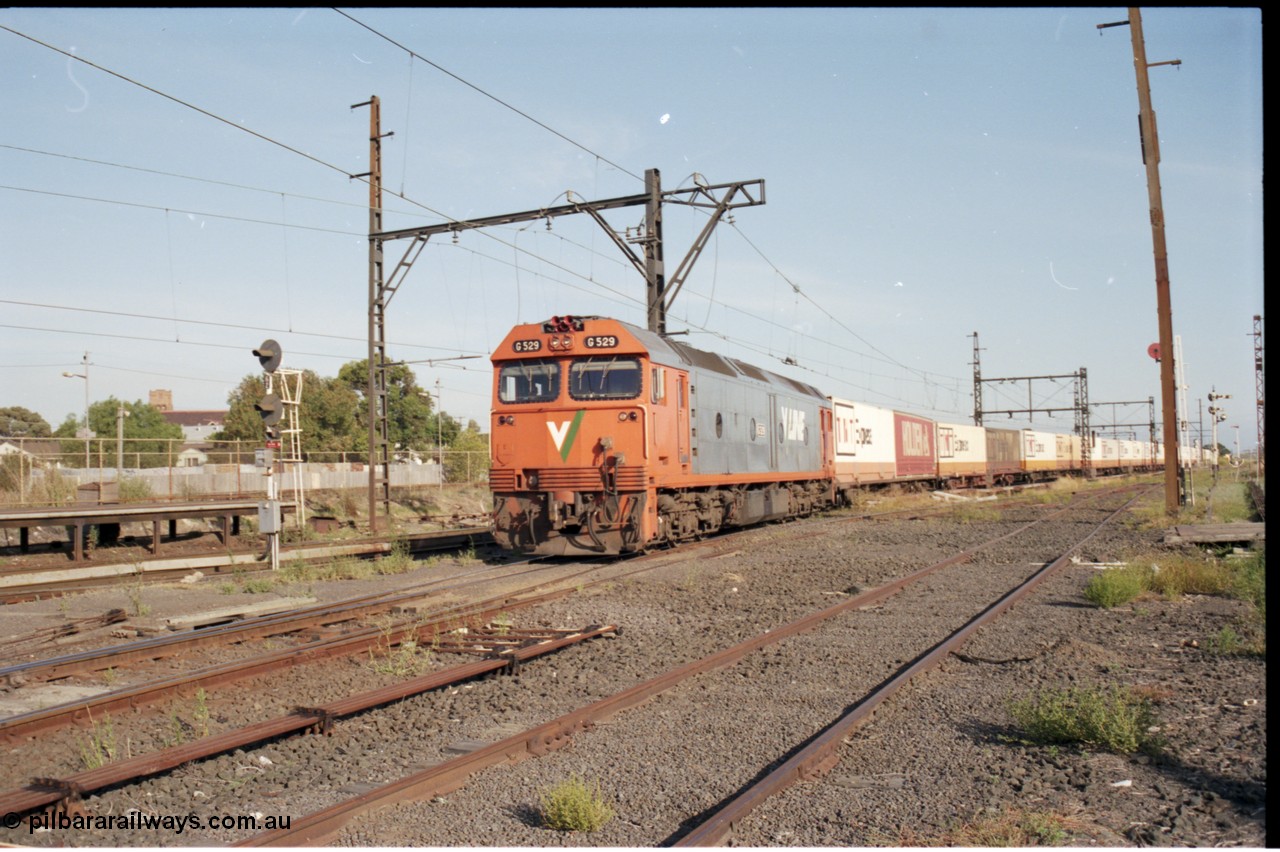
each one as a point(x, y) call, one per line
point(43, 792)
point(443, 778)
point(81, 711)
point(820, 755)
point(23, 584)
point(245, 630)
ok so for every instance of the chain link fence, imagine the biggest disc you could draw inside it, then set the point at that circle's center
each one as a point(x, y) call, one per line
point(61, 471)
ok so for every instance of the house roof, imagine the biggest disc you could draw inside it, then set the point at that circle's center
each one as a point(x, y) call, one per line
point(39, 447)
point(195, 418)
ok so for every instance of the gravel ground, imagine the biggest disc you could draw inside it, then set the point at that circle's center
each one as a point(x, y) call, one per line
point(940, 753)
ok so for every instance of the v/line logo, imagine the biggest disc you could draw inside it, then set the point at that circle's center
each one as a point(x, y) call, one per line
point(564, 433)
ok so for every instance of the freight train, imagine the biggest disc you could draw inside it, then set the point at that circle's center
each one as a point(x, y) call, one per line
point(607, 438)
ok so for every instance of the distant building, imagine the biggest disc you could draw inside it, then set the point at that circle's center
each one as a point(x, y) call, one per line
point(161, 400)
point(37, 449)
point(196, 427)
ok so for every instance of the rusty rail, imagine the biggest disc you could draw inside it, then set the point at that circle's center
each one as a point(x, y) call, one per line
point(77, 712)
point(440, 780)
point(45, 792)
point(821, 754)
point(249, 629)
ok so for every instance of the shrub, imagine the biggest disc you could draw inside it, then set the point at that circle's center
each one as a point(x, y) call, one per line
point(1174, 576)
point(573, 806)
point(397, 561)
point(1116, 586)
point(1116, 720)
point(1249, 582)
point(132, 489)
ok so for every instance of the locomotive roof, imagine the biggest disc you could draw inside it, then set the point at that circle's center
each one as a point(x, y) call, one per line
point(664, 350)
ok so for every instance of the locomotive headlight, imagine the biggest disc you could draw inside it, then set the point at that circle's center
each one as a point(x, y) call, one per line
point(622, 415)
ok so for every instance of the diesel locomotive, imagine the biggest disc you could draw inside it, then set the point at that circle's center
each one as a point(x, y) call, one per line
point(607, 438)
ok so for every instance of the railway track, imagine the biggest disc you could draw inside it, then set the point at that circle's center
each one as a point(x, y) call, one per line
point(710, 552)
point(24, 584)
point(798, 762)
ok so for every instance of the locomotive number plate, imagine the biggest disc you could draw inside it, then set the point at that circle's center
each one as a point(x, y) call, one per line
point(600, 341)
point(526, 345)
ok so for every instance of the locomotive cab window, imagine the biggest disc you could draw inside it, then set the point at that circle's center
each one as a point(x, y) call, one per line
point(605, 378)
point(658, 385)
point(529, 381)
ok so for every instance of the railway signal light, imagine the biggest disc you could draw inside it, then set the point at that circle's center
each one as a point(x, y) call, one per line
point(269, 355)
point(270, 410)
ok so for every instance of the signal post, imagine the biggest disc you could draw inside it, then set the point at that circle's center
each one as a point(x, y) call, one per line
point(270, 409)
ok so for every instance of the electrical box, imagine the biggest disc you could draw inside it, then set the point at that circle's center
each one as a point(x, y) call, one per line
point(263, 458)
point(268, 517)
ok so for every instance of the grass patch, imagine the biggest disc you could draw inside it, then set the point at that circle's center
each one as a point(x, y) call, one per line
point(398, 561)
point(1223, 503)
point(971, 513)
point(98, 748)
point(338, 568)
point(1116, 586)
point(406, 659)
point(133, 489)
point(1116, 719)
point(1013, 828)
point(1249, 582)
point(1176, 575)
point(574, 805)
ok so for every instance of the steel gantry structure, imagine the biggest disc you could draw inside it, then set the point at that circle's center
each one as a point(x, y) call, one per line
point(1079, 404)
point(661, 291)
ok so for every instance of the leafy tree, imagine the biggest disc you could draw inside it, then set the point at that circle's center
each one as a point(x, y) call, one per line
point(334, 415)
point(468, 460)
point(20, 422)
point(326, 416)
point(412, 423)
point(149, 438)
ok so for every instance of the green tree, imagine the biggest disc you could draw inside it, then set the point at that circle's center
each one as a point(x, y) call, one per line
point(326, 416)
point(468, 459)
point(19, 422)
point(412, 422)
point(150, 440)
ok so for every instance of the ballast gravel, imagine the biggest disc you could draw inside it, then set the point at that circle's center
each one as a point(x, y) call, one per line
point(942, 752)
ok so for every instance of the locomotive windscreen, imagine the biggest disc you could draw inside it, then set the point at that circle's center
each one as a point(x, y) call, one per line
point(529, 381)
point(605, 378)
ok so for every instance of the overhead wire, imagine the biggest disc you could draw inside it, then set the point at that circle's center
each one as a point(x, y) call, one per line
point(488, 95)
point(264, 329)
point(516, 249)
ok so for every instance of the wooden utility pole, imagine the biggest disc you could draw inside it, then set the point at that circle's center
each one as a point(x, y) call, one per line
point(1164, 309)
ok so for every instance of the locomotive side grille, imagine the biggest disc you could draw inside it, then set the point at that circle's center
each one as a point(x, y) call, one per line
point(571, 479)
point(588, 479)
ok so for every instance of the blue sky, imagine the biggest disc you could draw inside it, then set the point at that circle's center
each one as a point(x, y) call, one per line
point(929, 173)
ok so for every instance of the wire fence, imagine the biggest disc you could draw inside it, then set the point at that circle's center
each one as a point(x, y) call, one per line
point(48, 472)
